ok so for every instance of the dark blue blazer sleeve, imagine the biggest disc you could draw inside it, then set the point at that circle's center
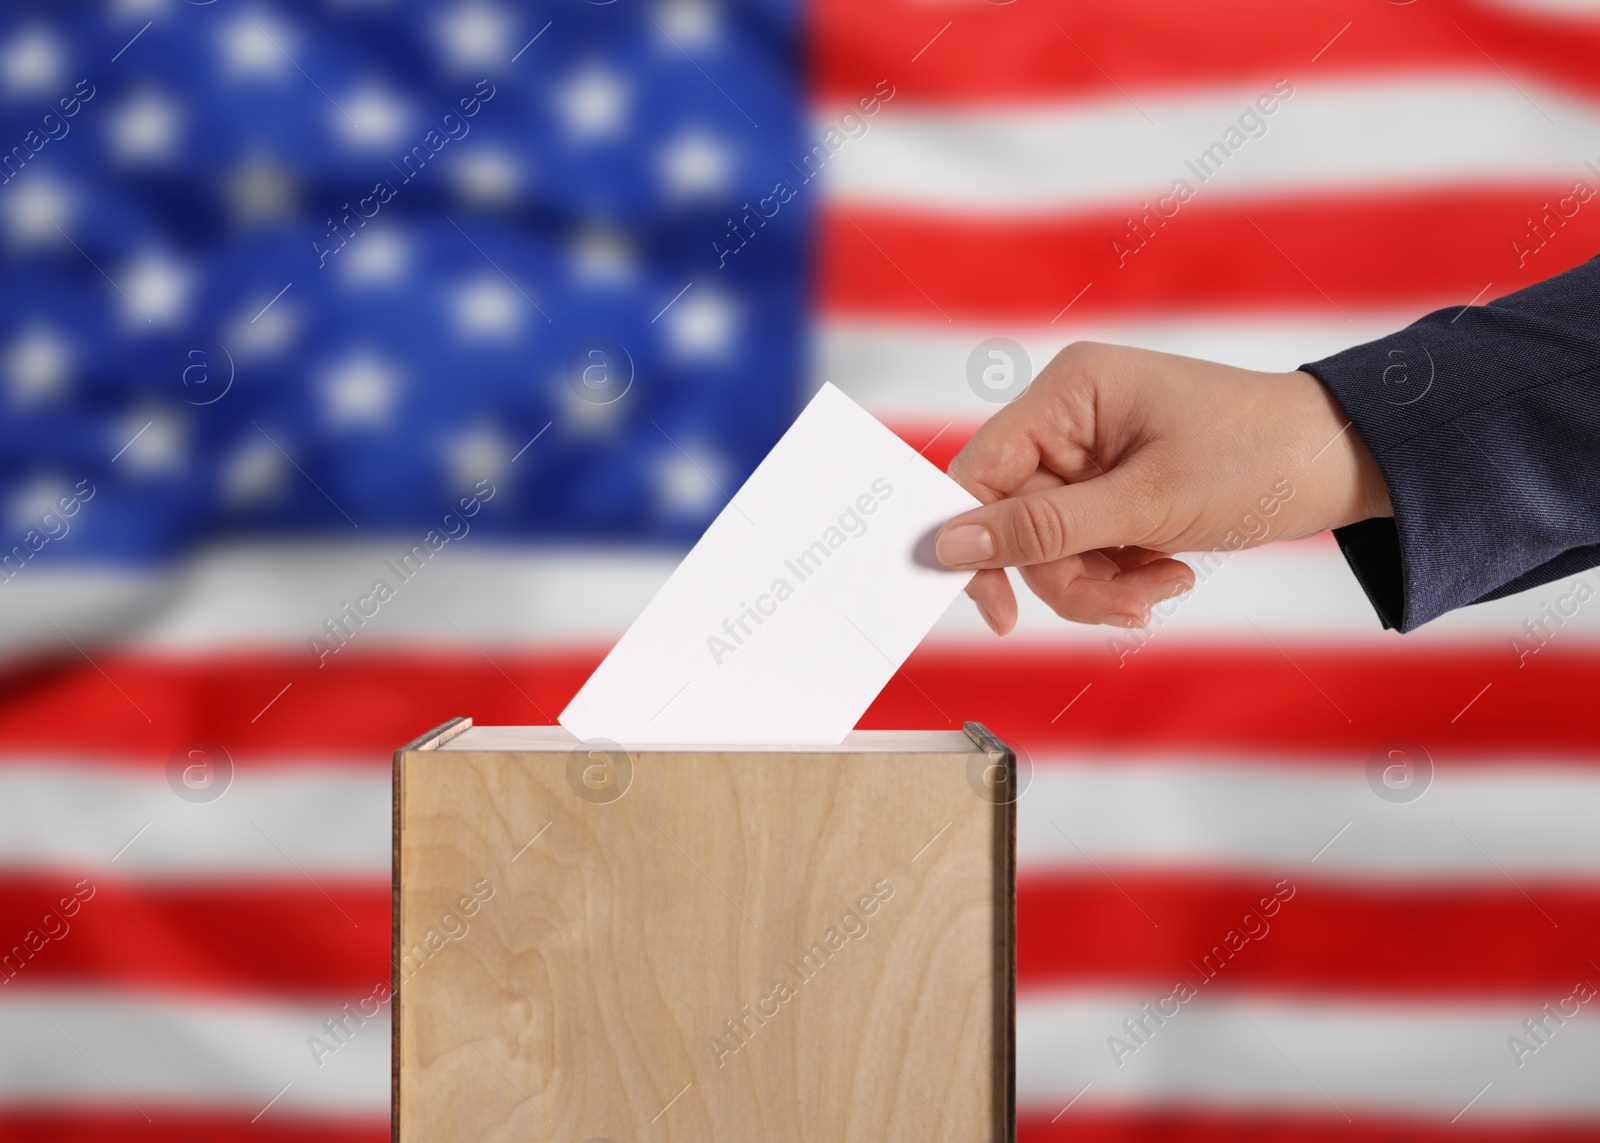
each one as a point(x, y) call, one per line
point(1486, 424)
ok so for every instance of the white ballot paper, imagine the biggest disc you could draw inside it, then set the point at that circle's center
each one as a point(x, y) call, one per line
point(800, 602)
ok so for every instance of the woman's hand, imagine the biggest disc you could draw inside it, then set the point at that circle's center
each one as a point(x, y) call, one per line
point(1114, 457)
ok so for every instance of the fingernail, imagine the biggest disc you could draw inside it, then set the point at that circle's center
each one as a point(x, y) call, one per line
point(964, 544)
point(1125, 619)
point(993, 626)
point(1172, 591)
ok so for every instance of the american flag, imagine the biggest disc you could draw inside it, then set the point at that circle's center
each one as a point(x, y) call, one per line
point(300, 297)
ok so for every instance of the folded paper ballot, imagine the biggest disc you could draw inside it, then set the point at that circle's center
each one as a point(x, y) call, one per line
point(800, 602)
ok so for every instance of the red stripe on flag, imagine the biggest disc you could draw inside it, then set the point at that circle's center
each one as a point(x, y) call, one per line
point(1077, 1125)
point(1466, 703)
point(362, 705)
point(179, 1124)
point(1152, 930)
point(236, 938)
point(1301, 252)
point(244, 939)
point(1081, 1125)
point(994, 53)
point(1318, 702)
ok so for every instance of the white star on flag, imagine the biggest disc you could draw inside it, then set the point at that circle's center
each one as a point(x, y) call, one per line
point(487, 308)
point(481, 452)
point(594, 102)
point(487, 177)
point(690, 23)
point(379, 255)
point(260, 190)
point(38, 210)
point(255, 472)
point(139, 9)
point(602, 253)
point(151, 441)
point(695, 165)
point(263, 326)
point(36, 365)
point(580, 418)
point(254, 44)
point(370, 117)
point(360, 391)
point(32, 62)
point(35, 500)
point(700, 325)
point(145, 128)
point(158, 288)
point(475, 35)
point(686, 480)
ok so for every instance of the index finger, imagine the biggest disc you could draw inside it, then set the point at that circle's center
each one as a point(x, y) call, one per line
point(1002, 456)
point(1046, 428)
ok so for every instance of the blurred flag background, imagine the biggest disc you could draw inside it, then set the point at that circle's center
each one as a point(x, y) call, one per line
point(288, 286)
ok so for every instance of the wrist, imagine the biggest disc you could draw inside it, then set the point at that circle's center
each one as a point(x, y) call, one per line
point(1346, 484)
point(1374, 499)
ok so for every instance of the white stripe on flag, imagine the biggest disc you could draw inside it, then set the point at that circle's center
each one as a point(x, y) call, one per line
point(1337, 1058)
point(470, 589)
point(1129, 811)
point(1218, 1052)
point(533, 599)
point(1327, 137)
point(1515, 818)
point(326, 819)
point(110, 1049)
point(918, 372)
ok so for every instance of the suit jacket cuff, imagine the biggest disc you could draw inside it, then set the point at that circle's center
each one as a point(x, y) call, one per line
point(1483, 424)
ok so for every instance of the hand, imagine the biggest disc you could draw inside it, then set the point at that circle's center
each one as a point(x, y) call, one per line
point(1115, 457)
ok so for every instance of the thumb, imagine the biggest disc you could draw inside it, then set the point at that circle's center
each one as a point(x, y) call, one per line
point(1039, 527)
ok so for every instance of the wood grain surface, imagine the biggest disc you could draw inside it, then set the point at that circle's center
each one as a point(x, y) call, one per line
point(743, 945)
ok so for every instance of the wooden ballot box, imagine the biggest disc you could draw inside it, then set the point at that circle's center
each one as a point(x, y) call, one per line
point(703, 944)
